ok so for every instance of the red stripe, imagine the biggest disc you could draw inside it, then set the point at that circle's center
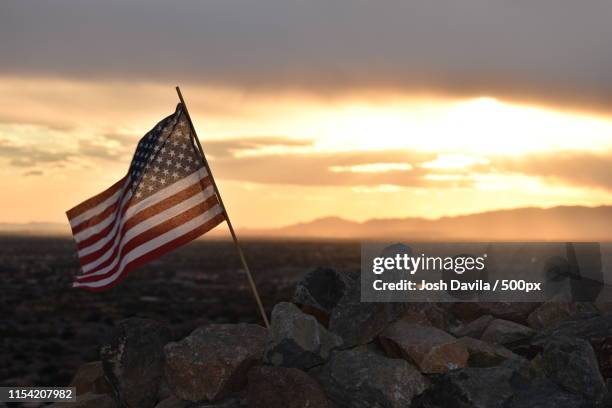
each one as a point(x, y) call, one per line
point(147, 236)
point(95, 200)
point(96, 219)
point(137, 219)
point(156, 253)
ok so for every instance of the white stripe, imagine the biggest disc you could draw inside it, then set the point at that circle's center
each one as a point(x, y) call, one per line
point(172, 189)
point(145, 226)
point(99, 208)
point(154, 244)
point(110, 218)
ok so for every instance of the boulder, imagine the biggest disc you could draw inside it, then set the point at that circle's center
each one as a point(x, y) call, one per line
point(471, 388)
point(90, 378)
point(133, 361)
point(359, 322)
point(173, 402)
point(429, 314)
point(571, 363)
point(320, 290)
point(483, 354)
point(213, 361)
point(556, 311)
point(544, 393)
point(297, 339)
point(279, 387)
point(590, 329)
point(473, 329)
point(430, 349)
point(362, 379)
point(88, 400)
point(505, 332)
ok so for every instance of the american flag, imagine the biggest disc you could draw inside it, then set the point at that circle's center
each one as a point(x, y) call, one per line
point(166, 200)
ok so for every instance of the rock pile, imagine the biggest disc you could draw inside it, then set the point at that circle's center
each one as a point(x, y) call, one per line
point(326, 349)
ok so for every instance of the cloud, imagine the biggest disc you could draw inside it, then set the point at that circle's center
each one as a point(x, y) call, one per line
point(33, 173)
point(555, 51)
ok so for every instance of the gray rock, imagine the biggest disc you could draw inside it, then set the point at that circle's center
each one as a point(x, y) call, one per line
point(359, 322)
point(430, 349)
point(321, 289)
point(545, 394)
point(473, 329)
point(279, 387)
point(363, 379)
point(173, 402)
point(297, 339)
point(589, 329)
point(513, 311)
point(472, 388)
point(133, 361)
point(556, 311)
point(505, 332)
point(571, 363)
point(213, 361)
point(483, 354)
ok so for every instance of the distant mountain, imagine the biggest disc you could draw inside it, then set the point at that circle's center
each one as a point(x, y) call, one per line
point(522, 224)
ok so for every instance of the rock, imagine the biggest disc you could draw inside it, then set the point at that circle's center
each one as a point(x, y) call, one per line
point(279, 387)
point(297, 339)
point(430, 349)
point(590, 329)
point(473, 329)
point(572, 364)
point(555, 311)
point(213, 361)
point(471, 388)
point(359, 322)
point(504, 332)
point(320, 290)
point(483, 354)
point(513, 311)
point(362, 379)
point(429, 314)
point(88, 400)
point(173, 402)
point(133, 361)
point(90, 378)
point(545, 394)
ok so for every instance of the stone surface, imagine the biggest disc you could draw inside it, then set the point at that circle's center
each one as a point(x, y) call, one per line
point(545, 394)
point(473, 329)
point(571, 363)
point(279, 387)
point(88, 400)
point(556, 311)
point(133, 361)
point(506, 332)
point(359, 322)
point(173, 402)
point(430, 349)
point(321, 289)
point(430, 314)
point(213, 361)
point(471, 388)
point(483, 354)
point(589, 329)
point(363, 379)
point(297, 339)
point(90, 378)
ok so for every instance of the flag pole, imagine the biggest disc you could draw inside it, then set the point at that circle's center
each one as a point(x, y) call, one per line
point(227, 218)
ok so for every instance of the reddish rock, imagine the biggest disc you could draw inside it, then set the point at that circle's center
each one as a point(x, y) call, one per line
point(483, 354)
point(279, 387)
point(504, 332)
point(431, 349)
point(213, 361)
point(513, 311)
point(90, 378)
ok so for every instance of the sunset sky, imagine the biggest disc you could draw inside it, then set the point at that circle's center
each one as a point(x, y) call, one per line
point(352, 108)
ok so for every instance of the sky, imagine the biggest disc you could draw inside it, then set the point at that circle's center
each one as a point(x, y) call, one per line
point(306, 109)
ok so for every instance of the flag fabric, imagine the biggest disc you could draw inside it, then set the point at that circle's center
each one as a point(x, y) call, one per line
point(166, 200)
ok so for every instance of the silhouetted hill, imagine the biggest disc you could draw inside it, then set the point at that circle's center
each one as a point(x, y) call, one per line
point(557, 223)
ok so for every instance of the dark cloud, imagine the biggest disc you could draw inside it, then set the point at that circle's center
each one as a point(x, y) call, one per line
point(21, 156)
point(551, 50)
point(33, 173)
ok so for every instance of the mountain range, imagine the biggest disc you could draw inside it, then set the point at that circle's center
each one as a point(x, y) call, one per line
point(578, 223)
